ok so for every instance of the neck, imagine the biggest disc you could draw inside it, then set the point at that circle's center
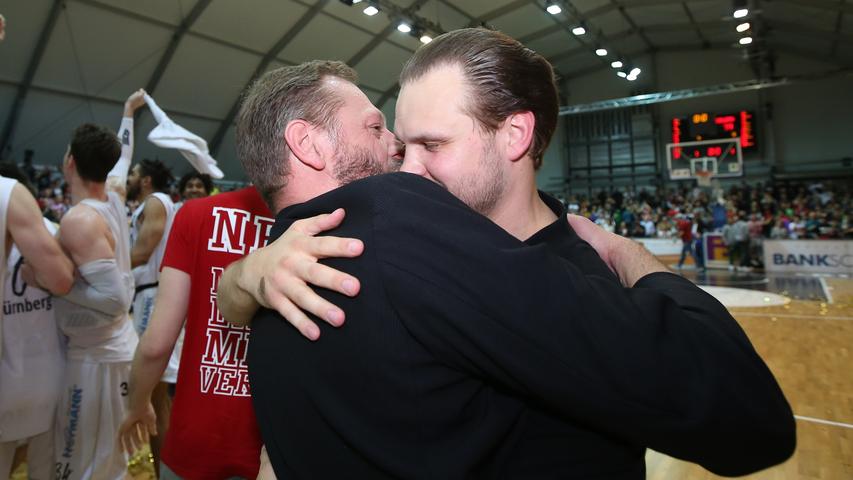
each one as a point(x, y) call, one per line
point(520, 211)
point(82, 189)
point(144, 193)
point(303, 184)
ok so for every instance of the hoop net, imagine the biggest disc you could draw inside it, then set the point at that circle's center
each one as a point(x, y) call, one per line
point(703, 177)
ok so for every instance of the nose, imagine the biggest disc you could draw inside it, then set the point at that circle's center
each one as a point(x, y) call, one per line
point(412, 165)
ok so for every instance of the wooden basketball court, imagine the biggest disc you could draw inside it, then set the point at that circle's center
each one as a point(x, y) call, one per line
point(808, 344)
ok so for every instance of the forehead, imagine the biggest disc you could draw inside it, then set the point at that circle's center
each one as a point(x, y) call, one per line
point(355, 102)
point(435, 99)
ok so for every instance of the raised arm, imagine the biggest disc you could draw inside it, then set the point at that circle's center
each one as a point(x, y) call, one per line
point(117, 178)
point(152, 355)
point(277, 276)
point(53, 270)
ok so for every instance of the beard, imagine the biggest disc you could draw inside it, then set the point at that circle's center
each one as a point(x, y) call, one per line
point(483, 191)
point(353, 162)
point(132, 191)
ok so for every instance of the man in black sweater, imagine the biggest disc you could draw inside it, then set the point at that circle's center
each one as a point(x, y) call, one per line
point(470, 353)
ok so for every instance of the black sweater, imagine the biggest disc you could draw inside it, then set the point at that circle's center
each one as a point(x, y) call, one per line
point(470, 354)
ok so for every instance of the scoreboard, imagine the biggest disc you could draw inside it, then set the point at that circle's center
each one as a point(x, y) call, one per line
point(709, 126)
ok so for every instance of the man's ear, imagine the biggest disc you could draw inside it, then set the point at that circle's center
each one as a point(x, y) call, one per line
point(519, 129)
point(301, 136)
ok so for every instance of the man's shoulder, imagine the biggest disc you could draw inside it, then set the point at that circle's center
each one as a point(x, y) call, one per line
point(80, 226)
point(399, 190)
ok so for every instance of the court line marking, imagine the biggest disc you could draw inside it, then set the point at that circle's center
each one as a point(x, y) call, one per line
point(825, 422)
point(825, 290)
point(789, 315)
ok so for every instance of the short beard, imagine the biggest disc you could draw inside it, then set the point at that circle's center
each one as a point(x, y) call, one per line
point(353, 163)
point(482, 192)
point(133, 192)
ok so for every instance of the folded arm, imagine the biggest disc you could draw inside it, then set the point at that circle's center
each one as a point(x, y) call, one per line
point(52, 268)
point(86, 237)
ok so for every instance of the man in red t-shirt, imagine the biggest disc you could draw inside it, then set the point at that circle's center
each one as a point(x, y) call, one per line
point(687, 232)
point(213, 433)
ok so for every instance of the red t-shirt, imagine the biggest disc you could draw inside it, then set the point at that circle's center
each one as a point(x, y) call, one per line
point(685, 230)
point(213, 433)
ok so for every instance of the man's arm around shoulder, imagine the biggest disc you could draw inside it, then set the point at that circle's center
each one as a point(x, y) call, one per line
point(53, 270)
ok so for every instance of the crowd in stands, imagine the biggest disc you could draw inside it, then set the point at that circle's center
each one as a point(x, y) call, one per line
point(779, 211)
point(51, 191)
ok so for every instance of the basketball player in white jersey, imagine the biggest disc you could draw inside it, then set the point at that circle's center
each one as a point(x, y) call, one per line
point(149, 230)
point(31, 362)
point(94, 315)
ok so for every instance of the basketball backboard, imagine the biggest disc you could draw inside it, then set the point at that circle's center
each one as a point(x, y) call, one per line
point(723, 158)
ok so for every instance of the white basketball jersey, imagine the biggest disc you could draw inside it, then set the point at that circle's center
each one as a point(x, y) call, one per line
point(90, 336)
point(150, 272)
point(6, 185)
point(32, 360)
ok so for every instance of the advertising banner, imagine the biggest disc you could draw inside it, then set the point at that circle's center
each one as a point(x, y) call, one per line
point(815, 256)
point(715, 251)
point(661, 246)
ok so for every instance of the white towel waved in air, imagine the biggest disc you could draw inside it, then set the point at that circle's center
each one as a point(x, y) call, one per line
point(168, 134)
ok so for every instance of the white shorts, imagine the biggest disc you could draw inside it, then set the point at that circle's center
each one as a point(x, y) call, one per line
point(39, 456)
point(143, 308)
point(92, 405)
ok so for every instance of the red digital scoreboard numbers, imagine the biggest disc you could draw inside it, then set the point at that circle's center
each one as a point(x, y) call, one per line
point(709, 126)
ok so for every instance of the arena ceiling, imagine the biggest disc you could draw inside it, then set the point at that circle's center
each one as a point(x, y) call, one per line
point(69, 61)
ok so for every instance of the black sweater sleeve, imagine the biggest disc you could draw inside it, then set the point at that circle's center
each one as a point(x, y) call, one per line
point(662, 364)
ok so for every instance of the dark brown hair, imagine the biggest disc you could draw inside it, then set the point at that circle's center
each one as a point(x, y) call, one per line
point(96, 150)
point(161, 175)
point(274, 100)
point(203, 177)
point(504, 77)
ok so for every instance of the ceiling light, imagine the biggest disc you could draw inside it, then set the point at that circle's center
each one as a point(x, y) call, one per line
point(616, 64)
point(601, 52)
point(740, 13)
point(554, 9)
point(404, 27)
point(631, 78)
point(635, 71)
point(743, 27)
point(370, 10)
point(579, 30)
point(622, 74)
point(425, 39)
point(745, 40)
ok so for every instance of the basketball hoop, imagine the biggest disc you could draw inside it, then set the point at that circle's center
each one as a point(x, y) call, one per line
point(703, 178)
